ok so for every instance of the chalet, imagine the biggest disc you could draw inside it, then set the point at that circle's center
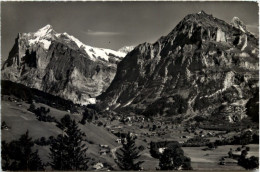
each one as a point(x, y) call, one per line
point(104, 146)
point(104, 151)
point(161, 150)
point(119, 141)
point(118, 127)
point(98, 166)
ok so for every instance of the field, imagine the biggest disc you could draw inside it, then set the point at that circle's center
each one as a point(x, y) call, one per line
point(209, 159)
point(19, 119)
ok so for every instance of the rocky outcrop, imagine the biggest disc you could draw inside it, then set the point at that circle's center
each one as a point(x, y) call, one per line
point(61, 65)
point(126, 49)
point(202, 64)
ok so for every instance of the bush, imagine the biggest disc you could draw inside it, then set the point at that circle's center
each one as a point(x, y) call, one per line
point(211, 145)
point(175, 105)
point(32, 108)
point(255, 138)
point(141, 148)
point(249, 163)
point(199, 118)
point(42, 141)
point(88, 115)
point(41, 114)
point(252, 107)
point(173, 158)
point(154, 147)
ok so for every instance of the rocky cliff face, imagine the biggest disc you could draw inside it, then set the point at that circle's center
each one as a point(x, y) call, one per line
point(61, 65)
point(203, 66)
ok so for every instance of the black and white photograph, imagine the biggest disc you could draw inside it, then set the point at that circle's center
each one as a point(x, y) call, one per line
point(129, 85)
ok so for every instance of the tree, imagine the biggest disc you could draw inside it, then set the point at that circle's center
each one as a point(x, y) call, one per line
point(173, 159)
point(230, 153)
point(129, 154)
point(68, 152)
point(252, 107)
point(32, 107)
point(249, 163)
point(18, 155)
point(211, 145)
point(246, 138)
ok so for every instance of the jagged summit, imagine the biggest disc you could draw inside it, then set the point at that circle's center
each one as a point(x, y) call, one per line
point(236, 22)
point(48, 29)
point(203, 66)
point(60, 64)
point(126, 49)
point(45, 29)
point(202, 12)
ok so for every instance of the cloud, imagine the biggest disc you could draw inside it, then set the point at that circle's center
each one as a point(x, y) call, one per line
point(102, 33)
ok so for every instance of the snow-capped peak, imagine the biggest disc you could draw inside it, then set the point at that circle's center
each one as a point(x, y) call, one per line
point(42, 36)
point(44, 31)
point(94, 52)
point(45, 35)
point(126, 49)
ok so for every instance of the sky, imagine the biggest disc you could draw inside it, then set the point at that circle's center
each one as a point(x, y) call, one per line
point(113, 24)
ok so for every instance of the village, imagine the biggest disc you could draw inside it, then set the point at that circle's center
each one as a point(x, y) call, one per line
point(212, 141)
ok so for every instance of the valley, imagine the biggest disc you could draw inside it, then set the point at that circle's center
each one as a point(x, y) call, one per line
point(108, 129)
point(188, 101)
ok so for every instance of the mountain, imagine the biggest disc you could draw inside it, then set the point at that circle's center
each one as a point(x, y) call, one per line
point(236, 22)
point(126, 49)
point(204, 66)
point(59, 64)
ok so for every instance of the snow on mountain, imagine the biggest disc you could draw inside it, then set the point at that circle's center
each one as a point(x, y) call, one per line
point(126, 49)
point(46, 34)
point(94, 52)
point(60, 64)
point(43, 36)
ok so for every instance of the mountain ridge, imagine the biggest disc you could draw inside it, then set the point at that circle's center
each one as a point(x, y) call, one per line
point(191, 70)
point(31, 62)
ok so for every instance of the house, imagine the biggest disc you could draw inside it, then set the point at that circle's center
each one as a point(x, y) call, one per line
point(98, 166)
point(161, 150)
point(119, 141)
point(104, 146)
point(104, 151)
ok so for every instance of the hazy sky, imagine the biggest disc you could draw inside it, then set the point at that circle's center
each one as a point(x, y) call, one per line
point(113, 24)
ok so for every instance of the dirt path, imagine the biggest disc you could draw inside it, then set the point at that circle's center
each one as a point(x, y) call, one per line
point(113, 151)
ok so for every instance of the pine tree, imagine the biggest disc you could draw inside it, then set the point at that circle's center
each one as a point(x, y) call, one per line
point(18, 155)
point(67, 150)
point(126, 160)
point(32, 107)
point(173, 158)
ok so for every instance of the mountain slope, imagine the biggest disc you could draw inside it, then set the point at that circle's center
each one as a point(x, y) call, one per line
point(203, 66)
point(60, 64)
point(126, 49)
